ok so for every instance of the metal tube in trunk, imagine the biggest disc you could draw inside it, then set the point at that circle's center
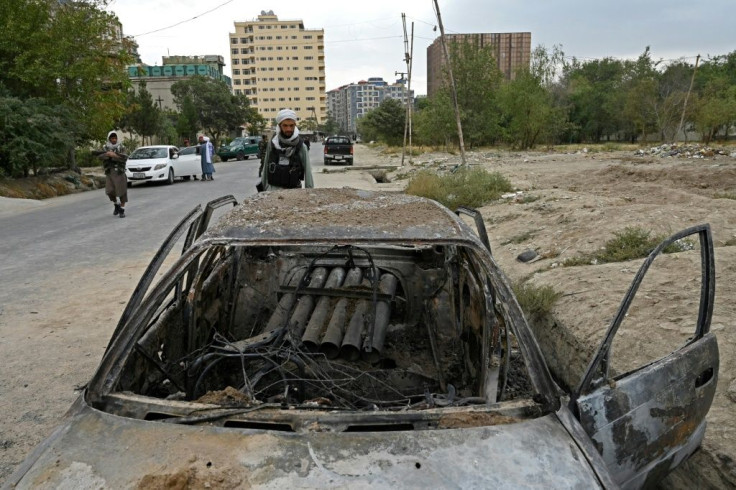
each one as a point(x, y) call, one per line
point(321, 312)
point(336, 328)
point(350, 349)
point(305, 303)
point(279, 315)
point(372, 352)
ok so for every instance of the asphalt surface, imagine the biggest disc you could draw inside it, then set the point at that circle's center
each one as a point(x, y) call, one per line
point(79, 230)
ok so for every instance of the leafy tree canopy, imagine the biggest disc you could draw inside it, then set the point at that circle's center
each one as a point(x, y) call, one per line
point(216, 109)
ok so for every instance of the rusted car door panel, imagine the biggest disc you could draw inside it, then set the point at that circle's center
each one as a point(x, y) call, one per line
point(654, 414)
point(645, 422)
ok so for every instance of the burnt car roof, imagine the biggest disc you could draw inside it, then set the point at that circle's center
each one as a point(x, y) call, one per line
point(339, 214)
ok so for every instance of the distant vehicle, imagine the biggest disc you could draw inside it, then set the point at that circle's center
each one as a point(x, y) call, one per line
point(338, 149)
point(371, 341)
point(162, 163)
point(239, 148)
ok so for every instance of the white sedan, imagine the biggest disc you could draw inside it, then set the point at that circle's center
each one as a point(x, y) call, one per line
point(161, 163)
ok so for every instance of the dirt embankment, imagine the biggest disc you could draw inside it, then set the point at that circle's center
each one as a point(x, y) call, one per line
point(53, 185)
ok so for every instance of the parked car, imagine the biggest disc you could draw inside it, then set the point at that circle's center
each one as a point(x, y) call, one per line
point(239, 148)
point(161, 163)
point(368, 340)
point(338, 149)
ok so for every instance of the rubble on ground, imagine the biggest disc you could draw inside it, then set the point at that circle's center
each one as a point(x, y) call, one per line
point(685, 150)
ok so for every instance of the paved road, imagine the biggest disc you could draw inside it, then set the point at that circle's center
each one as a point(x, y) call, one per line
point(79, 230)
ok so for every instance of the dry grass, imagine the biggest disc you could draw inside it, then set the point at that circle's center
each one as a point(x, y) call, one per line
point(465, 187)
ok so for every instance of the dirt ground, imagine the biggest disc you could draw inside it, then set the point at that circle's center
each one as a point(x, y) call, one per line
point(566, 204)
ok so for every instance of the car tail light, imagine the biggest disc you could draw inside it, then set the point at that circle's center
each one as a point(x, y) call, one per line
point(351, 149)
point(325, 150)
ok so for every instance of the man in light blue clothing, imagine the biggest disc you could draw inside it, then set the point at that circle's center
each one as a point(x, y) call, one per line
point(206, 152)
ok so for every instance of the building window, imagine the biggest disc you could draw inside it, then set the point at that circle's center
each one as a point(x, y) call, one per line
point(244, 40)
point(236, 72)
point(234, 51)
point(236, 61)
point(309, 57)
point(243, 50)
point(307, 36)
point(308, 47)
point(233, 40)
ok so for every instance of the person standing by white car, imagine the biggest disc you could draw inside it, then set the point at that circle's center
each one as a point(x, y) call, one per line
point(206, 152)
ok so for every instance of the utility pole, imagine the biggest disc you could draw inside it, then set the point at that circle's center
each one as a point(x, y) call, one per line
point(684, 106)
point(410, 101)
point(407, 86)
point(452, 84)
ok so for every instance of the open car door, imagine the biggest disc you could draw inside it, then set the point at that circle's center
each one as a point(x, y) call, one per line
point(194, 223)
point(646, 421)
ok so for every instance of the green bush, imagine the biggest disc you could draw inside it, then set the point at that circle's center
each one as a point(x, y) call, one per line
point(465, 187)
point(629, 244)
point(536, 301)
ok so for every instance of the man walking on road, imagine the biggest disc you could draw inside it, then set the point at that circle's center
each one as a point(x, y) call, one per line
point(116, 182)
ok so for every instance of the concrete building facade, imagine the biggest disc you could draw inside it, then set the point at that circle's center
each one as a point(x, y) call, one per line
point(279, 64)
point(349, 103)
point(159, 79)
point(512, 51)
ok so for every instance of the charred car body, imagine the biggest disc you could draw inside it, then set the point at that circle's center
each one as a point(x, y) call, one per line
point(316, 348)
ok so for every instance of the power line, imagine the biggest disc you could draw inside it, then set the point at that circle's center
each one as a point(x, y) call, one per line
point(186, 20)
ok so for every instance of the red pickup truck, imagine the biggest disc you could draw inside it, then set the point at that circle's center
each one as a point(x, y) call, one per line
point(338, 149)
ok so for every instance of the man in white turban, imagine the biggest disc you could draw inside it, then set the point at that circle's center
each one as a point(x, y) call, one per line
point(286, 163)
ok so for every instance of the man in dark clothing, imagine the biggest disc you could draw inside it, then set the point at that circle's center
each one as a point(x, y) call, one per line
point(116, 182)
point(286, 163)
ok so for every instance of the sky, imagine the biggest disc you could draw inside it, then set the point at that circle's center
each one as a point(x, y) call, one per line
point(366, 38)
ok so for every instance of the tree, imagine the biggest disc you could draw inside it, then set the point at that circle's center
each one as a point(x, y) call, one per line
point(217, 110)
point(68, 54)
point(329, 126)
point(434, 123)
point(33, 134)
point(186, 122)
point(384, 123)
point(527, 105)
point(143, 117)
point(592, 93)
point(477, 79)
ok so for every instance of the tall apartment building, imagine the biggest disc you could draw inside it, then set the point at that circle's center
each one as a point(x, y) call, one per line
point(349, 103)
point(512, 50)
point(279, 64)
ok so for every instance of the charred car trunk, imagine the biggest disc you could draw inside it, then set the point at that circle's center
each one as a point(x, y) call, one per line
point(344, 327)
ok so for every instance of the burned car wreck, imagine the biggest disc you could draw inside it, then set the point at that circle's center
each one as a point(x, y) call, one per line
point(343, 338)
